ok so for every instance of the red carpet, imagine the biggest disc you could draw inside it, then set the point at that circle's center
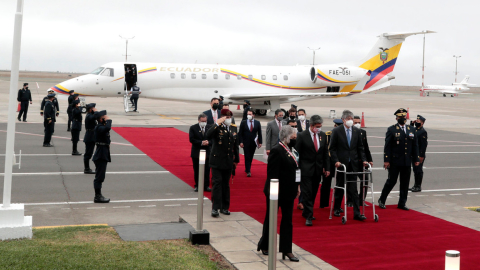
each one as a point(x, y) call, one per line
point(400, 240)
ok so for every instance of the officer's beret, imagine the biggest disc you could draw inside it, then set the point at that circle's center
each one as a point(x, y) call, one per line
point(76, 102)
point(338, 121)
point(50, 95)
point(90, 105)
point(76, 95)
point(419, 117)
point(99, 114)
point(226, 112)
point(247, 101)
point(25, 84)
point(401, 112)
point(71, 91)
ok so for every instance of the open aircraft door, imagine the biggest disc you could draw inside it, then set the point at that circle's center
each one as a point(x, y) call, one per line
point(130, 80)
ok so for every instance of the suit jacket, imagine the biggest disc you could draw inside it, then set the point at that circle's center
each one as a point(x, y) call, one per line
point(210, 116)
point(272, 134)
point(246, 136)
point(366, 148)
point(285, 121)
point(312, 162)
point(341, 152)
point(400, 148)
point(196, 138)
point(422, 137)
point(299, 125)
point(281, 166)
point(77, 119)
point(90, 123)
point(102, 140)
point(224, 147)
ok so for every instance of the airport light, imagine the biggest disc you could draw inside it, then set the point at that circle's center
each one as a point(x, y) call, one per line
point(456, 62)
point(199, 236)
point(452, 260)
point(272, 230)
point(126, 46)
point(313, 53)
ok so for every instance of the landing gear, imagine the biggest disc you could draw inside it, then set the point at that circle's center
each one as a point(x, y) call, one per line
point(452, 95)
point(261, 112)
point(444, 95)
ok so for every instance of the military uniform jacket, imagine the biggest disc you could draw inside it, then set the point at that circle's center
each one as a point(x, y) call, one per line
point(224, 146)
point(422, 137)
point(55, 104)
point(102, 141)
point(71, 98)
point(49, 112)
point(90, 123)
point(24, 95)
point(77, 119)
point(400, 148)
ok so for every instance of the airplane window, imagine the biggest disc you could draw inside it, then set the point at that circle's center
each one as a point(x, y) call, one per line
point(204, 76)
point(97, 71)
point(285, 77)
point(172, 75)
point(227, 76)
point(215, 76)
point(183, 76)
point(194, 76)
point(250, 77)
point(274, 77)
point(264, 77)
point(108, 72)
point(239, 77)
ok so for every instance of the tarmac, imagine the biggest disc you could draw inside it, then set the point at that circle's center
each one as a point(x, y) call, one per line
point(55, 191)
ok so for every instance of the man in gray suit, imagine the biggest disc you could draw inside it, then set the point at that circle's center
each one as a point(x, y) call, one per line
point(273, 128)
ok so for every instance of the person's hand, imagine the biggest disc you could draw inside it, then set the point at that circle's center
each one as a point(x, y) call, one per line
point(57, 114)
point(371, 163)
point(19, 102)
point(422, 159)
point(268, 152)
point(386, 165)
point(327, 173)
point(41, 114)
point(365, 164)
point(259, 145)
point(221, 120)
point(30, 102)
point(241, 145)
point(417, 163)
point(236, 163)
point(337, 164)
point(50, 121)
point(298, 192)
point(106, 117)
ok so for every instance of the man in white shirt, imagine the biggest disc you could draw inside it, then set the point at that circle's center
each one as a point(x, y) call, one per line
point(302, 122)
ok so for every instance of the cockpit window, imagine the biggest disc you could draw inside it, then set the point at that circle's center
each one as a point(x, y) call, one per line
point(97, 71)
point(108, 72)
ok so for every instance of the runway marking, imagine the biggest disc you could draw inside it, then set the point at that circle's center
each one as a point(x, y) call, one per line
point(421, 195)
point(118, 207)
point(46, 155)
point(456, 194)
point(438, 194)
point(93, 208)
point(152, 205)
point(118, 201)
point(438, 190)
point(193, 204)
point(172, 205)
point(472, 193)
point(81, 173)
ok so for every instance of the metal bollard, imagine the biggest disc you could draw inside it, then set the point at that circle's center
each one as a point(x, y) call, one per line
point(201, 181)
point(272, 230)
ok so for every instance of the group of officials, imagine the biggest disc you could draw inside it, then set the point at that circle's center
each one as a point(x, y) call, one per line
point(97, 132)
point(302, 156)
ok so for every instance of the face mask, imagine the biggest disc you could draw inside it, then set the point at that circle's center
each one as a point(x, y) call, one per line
point(401, 121)
point(215, 106)
point(292, 143)
point(418, 125)
point(292, 117)
point(349, 123)
point(249, 117)
point(228, 121)
point(317, 130)
point(279, 118)
point(357, 125)
point(301, 117)
point(203, 124)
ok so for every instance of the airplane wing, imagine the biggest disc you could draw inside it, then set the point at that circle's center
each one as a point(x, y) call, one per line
point(275, 96)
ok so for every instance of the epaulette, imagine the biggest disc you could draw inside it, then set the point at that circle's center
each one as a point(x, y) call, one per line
point(328, 133)
point(233, 125)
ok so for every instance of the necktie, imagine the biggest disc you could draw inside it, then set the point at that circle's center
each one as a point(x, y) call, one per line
point(348, 137)
point(214, 116)
point(315, 142)
point(203, 132)
point(280, 125)
point(303, 125)
point(251, 125)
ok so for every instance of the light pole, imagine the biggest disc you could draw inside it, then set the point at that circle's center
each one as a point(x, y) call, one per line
point(199, 236)
point(313, 53)
point(272, 230)
point(456, 60)
point(126, 46)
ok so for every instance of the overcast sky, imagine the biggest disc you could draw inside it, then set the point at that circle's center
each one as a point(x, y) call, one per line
point(78, 36)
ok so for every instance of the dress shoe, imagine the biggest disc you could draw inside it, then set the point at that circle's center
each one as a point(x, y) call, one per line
point(381, 205)
point(24, 120)
point(100, 199)
point(88, 171)
point(215, 213)
point(208, 189)
point(403, 208)
point(290, 256)
point(76, 153)
point(68, 129)
point(249, 175)
point(416, 189)
point(341, 210)
point(195, 189)
point(308, 222)
point(48, 145)
point(264, 252)
point(360, 218)
point(225, 212)
point(337, 213)
point(19, 119)
point(300, 206)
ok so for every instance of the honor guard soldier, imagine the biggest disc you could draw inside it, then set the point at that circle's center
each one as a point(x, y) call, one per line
point(71, 98)
point(422, 137)
point(224, 157)
point(24, 96)
point(400, 151)
point(89, 140)
point(55, 103)
point(49, 120)
point(76, 126)
point(102, 154)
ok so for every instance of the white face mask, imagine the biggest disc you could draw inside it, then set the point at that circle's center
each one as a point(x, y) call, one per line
point(357, 125)
point(349, 123)
point(228, 121)
point(301, 117)
point(249, 117)
point(317, 130)
point(203, 124)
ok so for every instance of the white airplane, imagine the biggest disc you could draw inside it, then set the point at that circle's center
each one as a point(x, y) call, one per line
point(455, 89)
point(265, 86)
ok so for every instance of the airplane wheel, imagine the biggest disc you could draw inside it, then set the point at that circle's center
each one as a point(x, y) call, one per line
point(344, 220)
point(261, 112)
point(376, 218)
point(84, 110)
point(444, 95)
point(452, 95)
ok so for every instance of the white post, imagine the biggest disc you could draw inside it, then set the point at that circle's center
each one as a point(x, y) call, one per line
point(200, 184)
point(452, 260)
point(272, 230)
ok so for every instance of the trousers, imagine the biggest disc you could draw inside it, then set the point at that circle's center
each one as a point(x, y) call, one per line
point(221, 189)
point(352, 191)
point(286, 226)
point(101, 169)
point(393, 173)
point(23, 110)
point(309, 187)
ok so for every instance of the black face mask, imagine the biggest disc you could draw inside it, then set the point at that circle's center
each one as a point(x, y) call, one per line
point(215, 106)
point(418, 125)
point(292, 143)
point(292, 117)
point(401, 121)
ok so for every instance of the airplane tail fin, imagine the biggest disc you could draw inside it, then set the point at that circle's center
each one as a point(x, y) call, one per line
point(465, 80)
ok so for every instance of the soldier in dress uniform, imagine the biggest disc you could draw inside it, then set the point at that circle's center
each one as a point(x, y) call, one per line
point(76, 126)
point(49, 120)
point(224, 157)
point(102, 154)
point(71, 98)
point(55, 103)
point(89, 140)
point(422, 137)
point(400, 151)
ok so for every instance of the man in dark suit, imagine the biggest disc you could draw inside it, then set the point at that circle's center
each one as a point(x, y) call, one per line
point(102, 154)
point(292, 115)
point(422, 137)
point(273, 129)
point(313, 161)
point(400, 151)
point(363, 186)
point(302, 122)
point(224, 158)
point(250, 135)
point(198, 138)
point(214, 113)
point(346, 148)
point(24, 97)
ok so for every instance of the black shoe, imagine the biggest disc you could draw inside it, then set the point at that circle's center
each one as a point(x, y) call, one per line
point(68, 129)
point(337, 213)
point(19, 119)
point(24, 120)
point(48, 145)
point(215, 213)
point(290, 256)
point(416, 189)
point(312, 218)
point(195, 189)
point(308, 223)
point(341, 210)
point(360, 217)
point(381, 205)
point(403, 208)
point(76, 153)
point(349, 204)
point(264, 252)
point(88, 171)
point(100, 199)
point(249, 175)
point(208, 189)
point(225, 212)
